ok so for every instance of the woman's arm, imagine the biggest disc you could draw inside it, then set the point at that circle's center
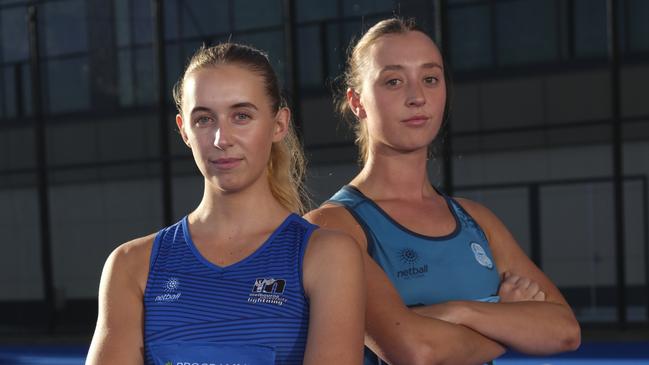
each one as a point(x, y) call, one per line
point(333, 281)
point(541, 323)
point(395, 333)
point(118, 337)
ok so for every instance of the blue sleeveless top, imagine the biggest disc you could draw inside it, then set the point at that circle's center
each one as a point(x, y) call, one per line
point(253, 311)
point(426, 270)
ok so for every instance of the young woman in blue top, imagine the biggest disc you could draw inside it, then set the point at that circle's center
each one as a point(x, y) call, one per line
point(448, 259)
point(242, 278)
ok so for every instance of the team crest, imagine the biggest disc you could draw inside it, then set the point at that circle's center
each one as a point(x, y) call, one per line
point(268, 291)
point(481, 256)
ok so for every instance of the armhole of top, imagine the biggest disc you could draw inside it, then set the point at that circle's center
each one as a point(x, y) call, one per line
point(369, 240)
point(305, 242)
point(459, 209)
point(155, 249)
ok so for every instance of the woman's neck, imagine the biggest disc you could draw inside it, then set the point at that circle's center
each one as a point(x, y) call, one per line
point(402, 176)
point(233, 211)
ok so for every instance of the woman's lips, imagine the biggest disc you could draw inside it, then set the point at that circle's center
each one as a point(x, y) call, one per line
point(226, 163)
point(417, 120)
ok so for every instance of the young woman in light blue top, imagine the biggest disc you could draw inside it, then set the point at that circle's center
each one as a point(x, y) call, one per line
point(451, 259)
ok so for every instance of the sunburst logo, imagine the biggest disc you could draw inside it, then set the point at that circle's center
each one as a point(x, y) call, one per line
point(408, 256)
point(172, 285)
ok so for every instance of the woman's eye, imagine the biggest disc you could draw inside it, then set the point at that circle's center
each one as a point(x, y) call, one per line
point(393, 82)
point(203, 121)
point(431, 80)
point(242, 117)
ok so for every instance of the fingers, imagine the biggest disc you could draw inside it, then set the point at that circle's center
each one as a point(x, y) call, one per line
point(514, 288)
point(511, 279)
point(524, 283)
point(540, 296)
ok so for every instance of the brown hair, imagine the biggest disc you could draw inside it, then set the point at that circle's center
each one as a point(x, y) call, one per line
point(352, 77)
point(286, 165)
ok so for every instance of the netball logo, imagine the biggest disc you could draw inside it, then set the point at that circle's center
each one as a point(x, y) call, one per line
point(171, 285)
point(410, 257)
point(481, 256)
point(171, 292)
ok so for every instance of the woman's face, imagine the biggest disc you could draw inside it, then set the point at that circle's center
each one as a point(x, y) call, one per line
point(403, 93)
point(228, 122)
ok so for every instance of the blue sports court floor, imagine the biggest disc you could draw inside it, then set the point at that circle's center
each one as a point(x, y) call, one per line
point(595, 353)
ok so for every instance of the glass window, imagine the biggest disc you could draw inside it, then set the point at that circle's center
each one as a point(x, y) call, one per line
point(174, 67)
point(310, 56)
point(125, 77)
point(526, 31)
point(309, 10)
point(201, 18)
point(8, 93)
point(122, 22)
point(250, 14)
point(145, 92)
point(171, 19)
point(590, 28)
point(469, 37)
point(63, 27)
point(462, 2)
point(339, 38)
point(189, 48)
point(638, 25)
point(67, 84)
point(362, 7)
point(2, 99)
point(27, 87)
point(273, 44)
point(142, 22)
point(9, 80)
point(15, 41)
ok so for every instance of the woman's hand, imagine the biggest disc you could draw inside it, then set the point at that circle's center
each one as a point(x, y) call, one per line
point(514, 288)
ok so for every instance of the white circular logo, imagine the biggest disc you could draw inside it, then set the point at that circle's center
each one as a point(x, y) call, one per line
point(171, 285)
point(481, 255)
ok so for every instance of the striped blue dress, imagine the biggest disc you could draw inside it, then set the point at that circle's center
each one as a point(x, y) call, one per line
point(251, 312)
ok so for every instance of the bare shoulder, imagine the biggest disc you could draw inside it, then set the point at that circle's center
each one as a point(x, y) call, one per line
point(130, 260)
point(329, 255)
point(328, 215)
point(118, 334)
point(133, 252)
point(331, 243)
point(337, 217)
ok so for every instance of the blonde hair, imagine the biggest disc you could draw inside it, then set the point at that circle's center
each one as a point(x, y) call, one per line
point(357, 60)
point(286, 166)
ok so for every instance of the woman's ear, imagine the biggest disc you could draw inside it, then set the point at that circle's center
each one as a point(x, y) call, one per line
point(354, 101)
point(282, 122)
point(183, 134)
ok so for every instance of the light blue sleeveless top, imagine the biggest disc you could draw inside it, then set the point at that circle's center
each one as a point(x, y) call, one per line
point(426, 270)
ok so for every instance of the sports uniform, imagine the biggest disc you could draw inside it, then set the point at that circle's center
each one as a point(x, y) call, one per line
point(253, 311)
point(426, 270)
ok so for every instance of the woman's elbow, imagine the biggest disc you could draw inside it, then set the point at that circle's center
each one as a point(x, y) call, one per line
point(572, 337)
point(424, 353)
